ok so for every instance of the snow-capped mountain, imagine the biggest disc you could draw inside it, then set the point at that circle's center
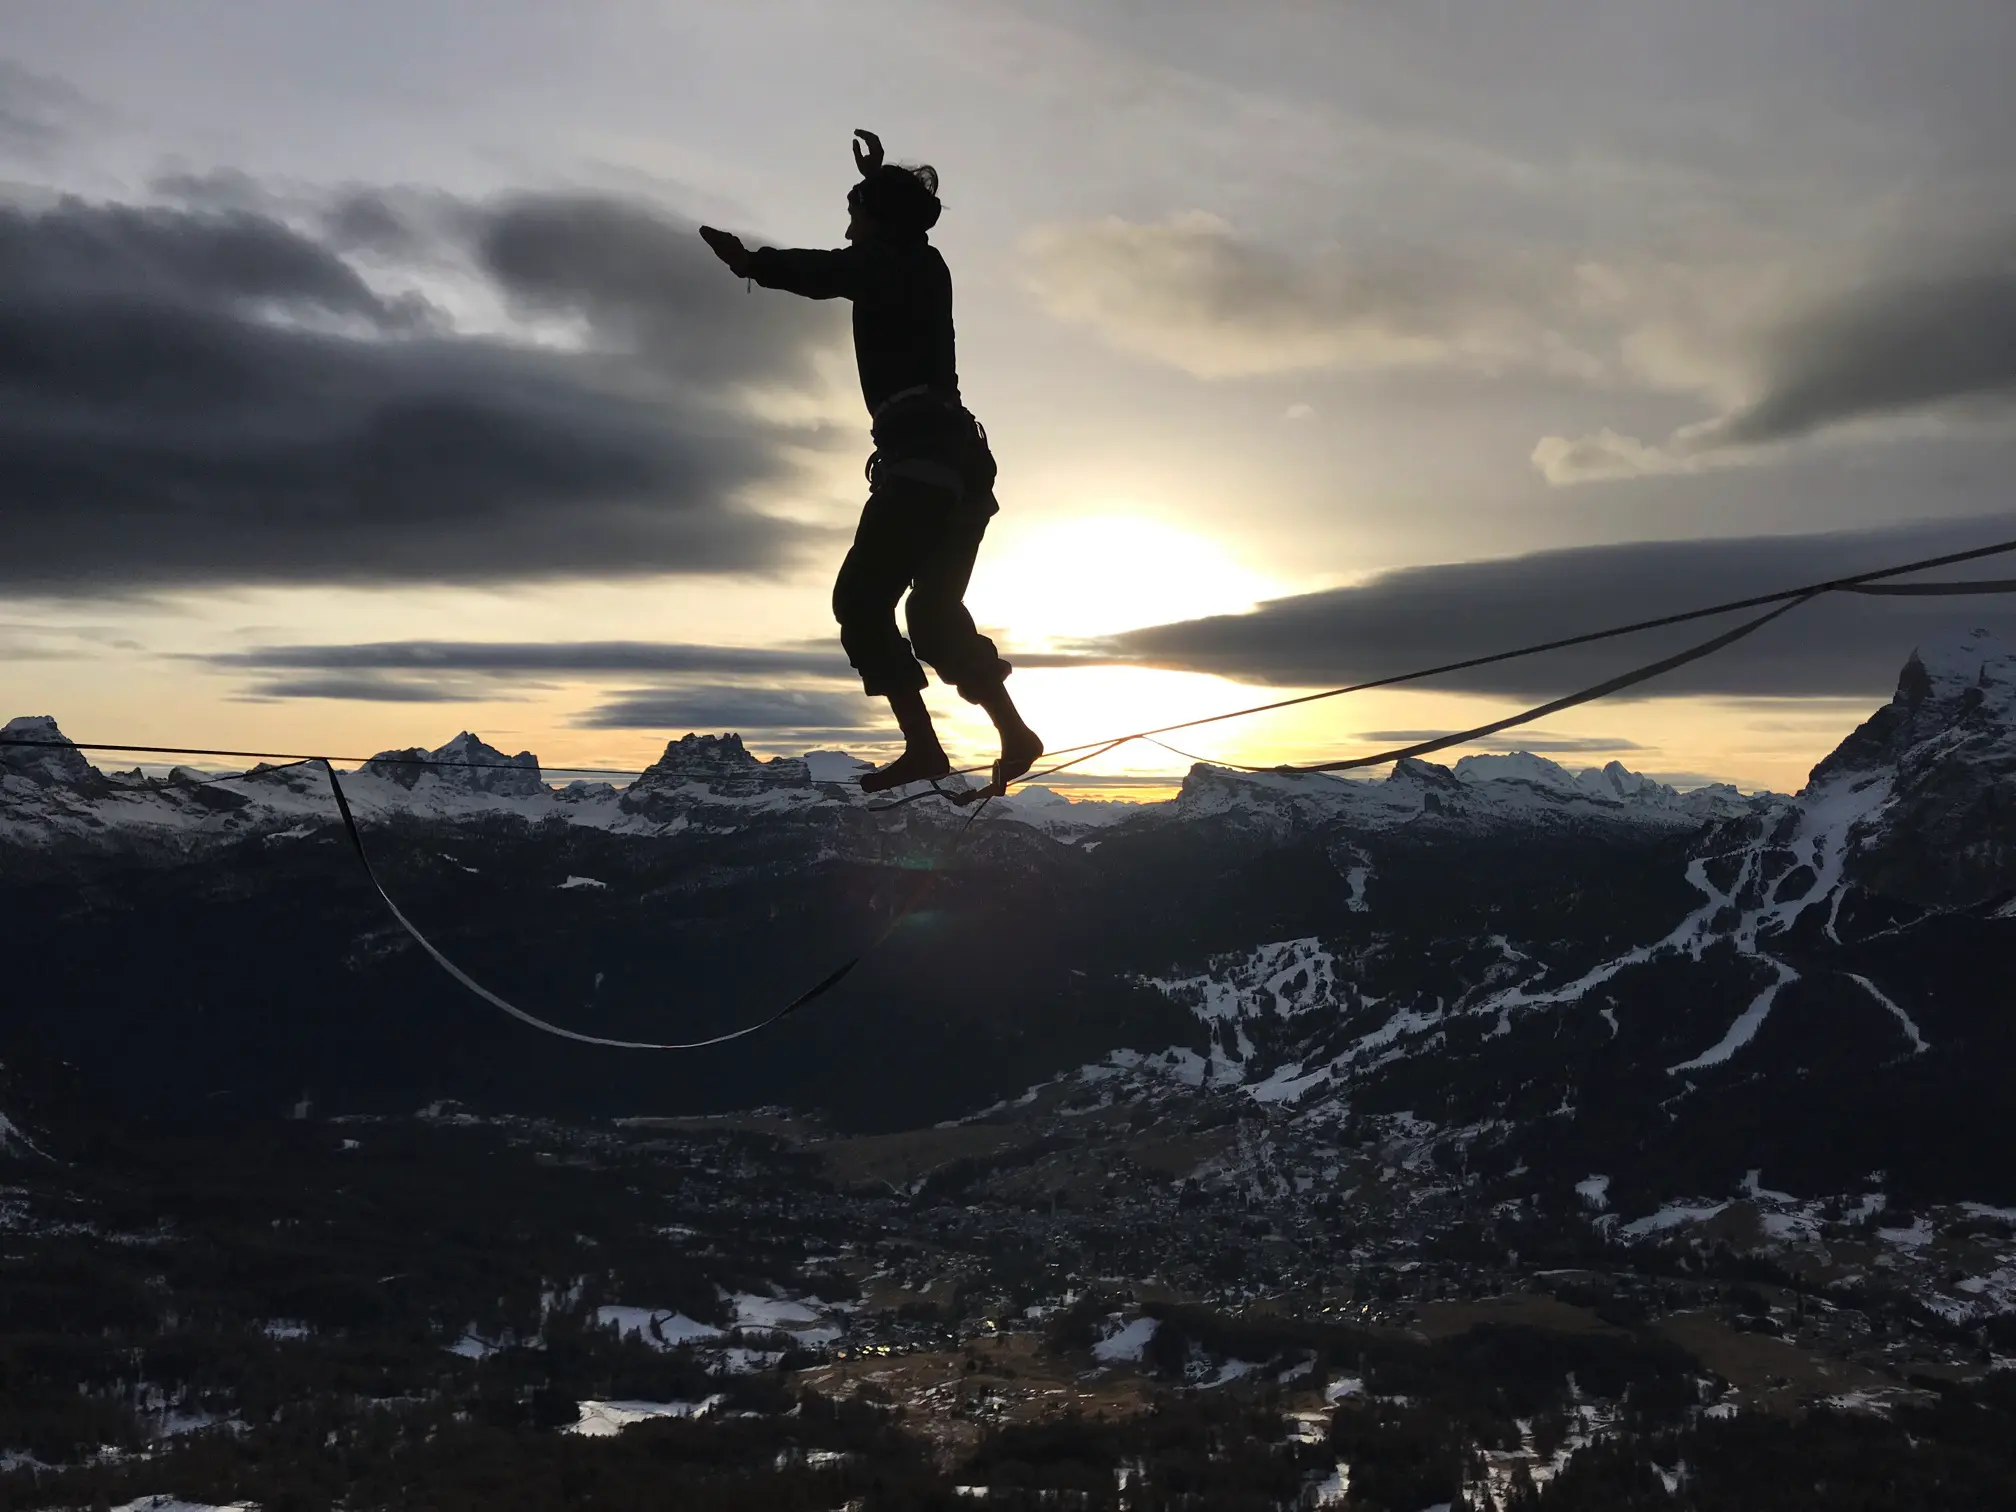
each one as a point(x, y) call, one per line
point(52, 797)
point(1934, 770)
point(466, 766)
point(1479, 793)
point(1528, 969)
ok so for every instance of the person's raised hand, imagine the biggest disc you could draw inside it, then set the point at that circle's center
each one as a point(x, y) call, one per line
point(867, 151)
point(728, 248)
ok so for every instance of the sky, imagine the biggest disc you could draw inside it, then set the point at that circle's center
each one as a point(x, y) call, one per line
point(365, 380)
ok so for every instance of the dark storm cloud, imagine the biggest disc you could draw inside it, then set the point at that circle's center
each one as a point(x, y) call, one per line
point(728, 707)
point(171, 259)
point(390, 223)
point(1889, 349)
point(212, 395)
point(1840, 646)
point(648, 285)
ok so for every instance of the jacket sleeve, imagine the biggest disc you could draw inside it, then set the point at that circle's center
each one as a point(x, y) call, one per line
point(810, 271)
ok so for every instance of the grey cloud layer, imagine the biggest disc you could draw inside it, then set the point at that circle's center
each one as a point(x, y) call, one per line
point(1839, 646)
point(35, 109)
point(367, 687)
point(446, 671)
point(1892, 347)
point(489, 671)
point(1194, 293)
point(509, 658)
point(728, 707)
point(201, 395)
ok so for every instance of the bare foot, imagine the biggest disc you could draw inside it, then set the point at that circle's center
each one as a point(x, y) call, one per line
point(911, 766)
point(1019, 751)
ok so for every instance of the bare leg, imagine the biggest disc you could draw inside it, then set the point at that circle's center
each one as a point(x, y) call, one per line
point(1020, 745)
point(923, 757)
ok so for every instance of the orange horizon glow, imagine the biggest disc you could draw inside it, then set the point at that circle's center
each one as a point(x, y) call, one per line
point(1050, 582)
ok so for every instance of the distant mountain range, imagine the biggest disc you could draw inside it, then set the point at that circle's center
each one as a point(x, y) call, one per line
point(1579, 975)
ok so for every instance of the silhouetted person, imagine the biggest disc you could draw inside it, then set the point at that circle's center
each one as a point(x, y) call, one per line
point(931, 478)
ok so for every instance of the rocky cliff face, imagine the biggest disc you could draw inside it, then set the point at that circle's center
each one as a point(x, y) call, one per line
point(467, 767)
point(702, 769)
point(30, 773)
point(1942, 756)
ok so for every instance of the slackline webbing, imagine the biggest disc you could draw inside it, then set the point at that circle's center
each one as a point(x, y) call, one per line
point(1853, 583)
point(1861, 582)
point(1785, 601)
point(1603, 689)
point(817, 990)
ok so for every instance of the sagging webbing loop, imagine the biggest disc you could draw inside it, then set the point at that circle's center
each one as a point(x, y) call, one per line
point(817, 990)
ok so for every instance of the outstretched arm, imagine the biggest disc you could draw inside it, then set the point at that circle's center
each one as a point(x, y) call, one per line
point(813, 272)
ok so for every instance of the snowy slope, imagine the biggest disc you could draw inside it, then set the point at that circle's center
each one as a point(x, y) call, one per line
point(1944, 750)
point(1825, 972)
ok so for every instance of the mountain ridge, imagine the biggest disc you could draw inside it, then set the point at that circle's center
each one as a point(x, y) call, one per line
point(1520, 967)
point(53, 795)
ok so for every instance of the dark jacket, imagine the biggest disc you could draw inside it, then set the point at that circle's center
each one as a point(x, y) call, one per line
point(902, 293)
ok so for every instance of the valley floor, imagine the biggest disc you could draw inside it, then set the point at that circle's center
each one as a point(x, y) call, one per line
point(1156, 1301)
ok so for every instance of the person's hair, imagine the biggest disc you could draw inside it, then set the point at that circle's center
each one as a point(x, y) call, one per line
point(903, 198)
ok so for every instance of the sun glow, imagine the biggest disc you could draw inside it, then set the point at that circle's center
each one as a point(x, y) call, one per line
point(1047, 582)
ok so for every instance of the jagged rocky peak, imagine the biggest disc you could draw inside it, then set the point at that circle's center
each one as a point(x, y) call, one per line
point(469, 766)
point(1615, 780)
point(51, 762)
point(1412, 771)
point(1963, 682)
point(722, 765)
point(1931, 777)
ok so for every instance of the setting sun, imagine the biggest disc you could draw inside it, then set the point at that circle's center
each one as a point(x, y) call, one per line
point(1058, 580)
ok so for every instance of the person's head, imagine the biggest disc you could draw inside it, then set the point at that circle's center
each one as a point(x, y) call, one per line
point(895, 202)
